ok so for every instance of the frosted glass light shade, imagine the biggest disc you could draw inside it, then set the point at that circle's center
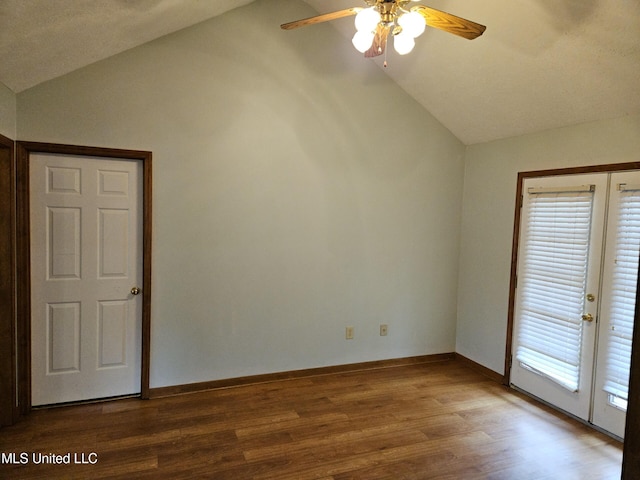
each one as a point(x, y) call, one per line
point(362, 40)
point(367, 19)
point(403, 43)
point(412, 23)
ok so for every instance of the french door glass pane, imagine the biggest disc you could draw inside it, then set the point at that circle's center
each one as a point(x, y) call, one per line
point(552, 280)
point(620, 316)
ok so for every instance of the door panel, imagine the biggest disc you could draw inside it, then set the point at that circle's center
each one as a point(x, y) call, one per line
point(619, 284)
point(549, 301)
point(63, 338)
point(63, 249)
point(113, 257)
point(86, 255)
point(112, 333)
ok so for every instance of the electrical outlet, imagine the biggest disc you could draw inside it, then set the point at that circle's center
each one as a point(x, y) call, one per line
point(383, 330)
point(349, 333)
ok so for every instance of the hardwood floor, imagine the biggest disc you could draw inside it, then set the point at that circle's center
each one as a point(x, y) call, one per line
point(438, 420)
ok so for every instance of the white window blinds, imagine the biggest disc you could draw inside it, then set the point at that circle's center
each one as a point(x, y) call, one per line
point(618, 322)
point(552, 279)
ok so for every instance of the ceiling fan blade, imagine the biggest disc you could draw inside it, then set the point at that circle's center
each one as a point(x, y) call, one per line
point(379, 41)
point(450, 23)
point(321, 18)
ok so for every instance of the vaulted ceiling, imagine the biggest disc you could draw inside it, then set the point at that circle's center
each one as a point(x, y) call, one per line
point(541, 64)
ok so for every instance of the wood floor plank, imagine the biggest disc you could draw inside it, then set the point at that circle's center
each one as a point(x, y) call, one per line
point(438, 420)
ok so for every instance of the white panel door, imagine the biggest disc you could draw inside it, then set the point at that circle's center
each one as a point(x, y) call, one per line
point(86, 256)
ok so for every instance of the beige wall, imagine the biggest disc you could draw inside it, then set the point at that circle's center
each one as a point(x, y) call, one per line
point(491, 171)
point(7, 112)
point(297, 190)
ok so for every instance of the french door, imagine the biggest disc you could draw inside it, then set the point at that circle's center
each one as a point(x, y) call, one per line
point(575, 295)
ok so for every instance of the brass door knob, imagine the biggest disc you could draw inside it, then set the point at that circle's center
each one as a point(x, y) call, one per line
point(135, 291)
point(587, 317)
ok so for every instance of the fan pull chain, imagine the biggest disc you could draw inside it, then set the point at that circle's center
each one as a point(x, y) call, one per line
point(385, 58)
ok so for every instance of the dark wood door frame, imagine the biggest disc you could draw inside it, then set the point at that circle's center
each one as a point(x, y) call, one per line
point(23, 153)
point(8, 410)
point(631, 456)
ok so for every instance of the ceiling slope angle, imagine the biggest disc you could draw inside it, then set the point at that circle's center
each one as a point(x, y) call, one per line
point(42, 39)
point(541, 64)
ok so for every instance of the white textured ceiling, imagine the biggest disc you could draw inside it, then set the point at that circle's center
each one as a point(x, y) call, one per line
point(541, 64)
point(43, 39)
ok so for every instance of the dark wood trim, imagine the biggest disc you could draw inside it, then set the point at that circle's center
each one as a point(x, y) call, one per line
point(294, 374)
point(631, 452)
point(481, 369)
point(24, 150)
point(23, 284)
point(513, 279)
point(146, 274)
point(8, 411)
point(613, 167)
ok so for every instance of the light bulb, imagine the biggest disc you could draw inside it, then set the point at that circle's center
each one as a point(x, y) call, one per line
point(412, 23)
point(403, 43)
point(367, 19)
point(362, 40)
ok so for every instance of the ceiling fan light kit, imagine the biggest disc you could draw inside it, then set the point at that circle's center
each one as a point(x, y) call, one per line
point(384, 17)
point(404, 25)
point(412, 23)
point(362, 40)
point(403, 43)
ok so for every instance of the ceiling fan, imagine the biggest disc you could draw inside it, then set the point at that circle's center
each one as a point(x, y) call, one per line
point(382, 18)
